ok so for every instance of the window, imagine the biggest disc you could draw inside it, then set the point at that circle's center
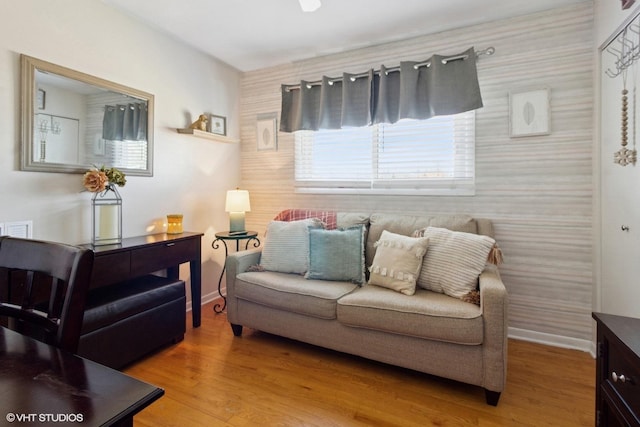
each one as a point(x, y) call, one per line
point(434, 156)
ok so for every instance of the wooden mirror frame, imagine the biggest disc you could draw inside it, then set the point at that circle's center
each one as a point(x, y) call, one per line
point(29, 66)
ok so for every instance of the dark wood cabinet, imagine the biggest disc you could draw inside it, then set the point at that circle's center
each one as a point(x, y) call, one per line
point(617, 371)
point(138, 256)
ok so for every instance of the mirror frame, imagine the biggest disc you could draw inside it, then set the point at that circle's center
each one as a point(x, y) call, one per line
point(29, 65)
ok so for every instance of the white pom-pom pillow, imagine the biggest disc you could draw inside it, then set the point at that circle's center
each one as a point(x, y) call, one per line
point(397, 262)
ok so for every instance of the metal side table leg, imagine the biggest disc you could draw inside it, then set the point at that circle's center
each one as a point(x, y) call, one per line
point(216, 245)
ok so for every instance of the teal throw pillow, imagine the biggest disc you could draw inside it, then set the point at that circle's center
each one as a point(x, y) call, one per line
point(337, 254)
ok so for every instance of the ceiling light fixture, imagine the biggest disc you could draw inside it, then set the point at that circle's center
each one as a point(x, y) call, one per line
point(310, 5)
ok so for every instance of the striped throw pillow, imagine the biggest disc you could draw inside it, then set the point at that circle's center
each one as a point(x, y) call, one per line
point(453, 261)
point(286, 247)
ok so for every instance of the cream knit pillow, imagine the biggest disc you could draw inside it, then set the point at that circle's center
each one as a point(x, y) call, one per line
point(454, 260)
point(397, 262)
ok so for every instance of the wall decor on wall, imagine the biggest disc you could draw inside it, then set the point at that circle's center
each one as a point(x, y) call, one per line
point(267, 132)
point(529, 113)
point(41, 96)
point(218, 125)
point(622, 54)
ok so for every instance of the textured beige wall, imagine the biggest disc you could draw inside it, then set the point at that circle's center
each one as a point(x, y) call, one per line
point(537, 190)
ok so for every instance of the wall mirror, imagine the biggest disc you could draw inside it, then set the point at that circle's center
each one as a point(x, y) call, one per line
point(72, 121)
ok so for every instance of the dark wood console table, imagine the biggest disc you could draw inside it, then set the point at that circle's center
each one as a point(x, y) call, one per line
point(138, 256)
point(43, 385)
point(617, 371)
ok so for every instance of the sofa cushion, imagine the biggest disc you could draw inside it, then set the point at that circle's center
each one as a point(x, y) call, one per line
point(286, 248)
point(289, 292)
point(348, 219)
point(337, 254)
point(454, 261)
point(425, 314)
point(397, 262)
point(407, 224)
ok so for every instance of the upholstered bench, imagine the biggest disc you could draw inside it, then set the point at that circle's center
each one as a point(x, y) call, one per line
point(128, 320)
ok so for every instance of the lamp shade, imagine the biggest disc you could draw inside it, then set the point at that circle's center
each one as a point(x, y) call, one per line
point(237, 201)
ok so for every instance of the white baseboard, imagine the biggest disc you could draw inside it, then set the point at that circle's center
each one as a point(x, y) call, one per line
point(553, 340)
point(205, 299)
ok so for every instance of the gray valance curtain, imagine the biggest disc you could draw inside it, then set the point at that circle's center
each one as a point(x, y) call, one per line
point(440, 86)
point(125, 122)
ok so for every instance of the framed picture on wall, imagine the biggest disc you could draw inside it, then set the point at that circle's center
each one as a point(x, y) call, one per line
point(218, 125)
point(529, 113)
point(267, 133)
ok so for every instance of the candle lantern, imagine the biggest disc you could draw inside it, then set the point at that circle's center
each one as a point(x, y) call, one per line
point(107, 217)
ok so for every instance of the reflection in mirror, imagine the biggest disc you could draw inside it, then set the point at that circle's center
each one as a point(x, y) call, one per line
point(72, 121)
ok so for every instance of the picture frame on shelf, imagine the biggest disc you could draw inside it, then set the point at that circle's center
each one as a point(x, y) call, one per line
point(267, 132)
point(218, 124)
point(529, 113)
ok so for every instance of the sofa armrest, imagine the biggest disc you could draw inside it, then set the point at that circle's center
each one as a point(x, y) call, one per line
point(239, 262)
point(236, 263)
point(494, 304)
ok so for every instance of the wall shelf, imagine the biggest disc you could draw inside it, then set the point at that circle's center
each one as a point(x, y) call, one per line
point(206, 135)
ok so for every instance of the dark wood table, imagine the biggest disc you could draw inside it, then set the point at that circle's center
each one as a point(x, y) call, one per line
point(617, 370)
point(43, 385)
point(141, 255)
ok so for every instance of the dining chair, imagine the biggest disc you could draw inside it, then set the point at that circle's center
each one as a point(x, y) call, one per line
point(43, 289)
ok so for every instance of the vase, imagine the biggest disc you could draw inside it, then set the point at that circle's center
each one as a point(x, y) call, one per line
point(106, 217)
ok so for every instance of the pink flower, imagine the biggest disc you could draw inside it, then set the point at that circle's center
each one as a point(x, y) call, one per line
point(95, 181)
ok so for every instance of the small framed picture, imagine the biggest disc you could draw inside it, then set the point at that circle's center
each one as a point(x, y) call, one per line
point(529, 113)
point(218, 125)
point(41, 95)
point(267, 133)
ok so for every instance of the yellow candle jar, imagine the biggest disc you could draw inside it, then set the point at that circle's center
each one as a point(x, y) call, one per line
point(174, 224)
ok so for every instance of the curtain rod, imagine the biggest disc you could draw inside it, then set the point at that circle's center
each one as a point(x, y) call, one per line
point(488, 51)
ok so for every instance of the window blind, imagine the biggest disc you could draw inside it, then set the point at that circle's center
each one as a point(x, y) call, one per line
point(127, 154)
point(434, 156)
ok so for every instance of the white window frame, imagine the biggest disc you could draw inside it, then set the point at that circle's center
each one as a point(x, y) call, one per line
point(459, 180)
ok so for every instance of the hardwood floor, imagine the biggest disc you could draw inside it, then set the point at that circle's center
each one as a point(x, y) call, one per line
point(215, 379)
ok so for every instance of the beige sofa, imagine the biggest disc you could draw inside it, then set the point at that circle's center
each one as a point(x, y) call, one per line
point(428, 332)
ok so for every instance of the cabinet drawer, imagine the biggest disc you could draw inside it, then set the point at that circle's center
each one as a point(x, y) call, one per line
point(623, 375)
point(613, 412)
point(158, 257)
point(111, 268)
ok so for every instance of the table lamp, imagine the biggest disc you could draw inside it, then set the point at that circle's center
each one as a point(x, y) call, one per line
point(237, 204)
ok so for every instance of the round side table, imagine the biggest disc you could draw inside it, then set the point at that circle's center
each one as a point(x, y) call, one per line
point(230, 236)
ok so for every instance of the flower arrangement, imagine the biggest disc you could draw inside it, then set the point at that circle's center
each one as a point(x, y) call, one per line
point(98, 180)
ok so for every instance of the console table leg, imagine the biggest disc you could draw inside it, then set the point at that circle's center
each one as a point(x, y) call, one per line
point(196, 291)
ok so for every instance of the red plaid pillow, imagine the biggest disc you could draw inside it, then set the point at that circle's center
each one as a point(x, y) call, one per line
point(328, 217)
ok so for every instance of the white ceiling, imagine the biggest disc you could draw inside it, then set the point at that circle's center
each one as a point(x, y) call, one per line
point(253, 34)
